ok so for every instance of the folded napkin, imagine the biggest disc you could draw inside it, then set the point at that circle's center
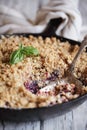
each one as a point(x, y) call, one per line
point(13, 21)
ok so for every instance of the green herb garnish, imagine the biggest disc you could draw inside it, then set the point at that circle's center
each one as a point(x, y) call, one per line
point(29, 50)
point(22, 52)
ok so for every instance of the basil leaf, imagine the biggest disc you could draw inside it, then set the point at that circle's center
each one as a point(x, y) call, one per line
point(16, 57)
point(20, 46)
point(19, 54)
point(29, 50)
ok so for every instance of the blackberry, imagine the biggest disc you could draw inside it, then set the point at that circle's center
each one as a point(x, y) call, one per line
point(32, 86)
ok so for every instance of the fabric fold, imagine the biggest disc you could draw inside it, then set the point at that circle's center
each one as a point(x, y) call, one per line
point(12, 21)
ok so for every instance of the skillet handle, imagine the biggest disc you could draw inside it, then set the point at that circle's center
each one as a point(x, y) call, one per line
point(52, 27)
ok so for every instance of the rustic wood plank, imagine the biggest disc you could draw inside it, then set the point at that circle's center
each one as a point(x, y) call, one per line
point(47, 125)
point(68, 121)
point(32, 125)
point(80, 117)
point(20, 126)
point(14, 126)
point(59, 123)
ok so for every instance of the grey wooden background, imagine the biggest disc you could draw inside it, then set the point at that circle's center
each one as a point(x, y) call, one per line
point(74, 120)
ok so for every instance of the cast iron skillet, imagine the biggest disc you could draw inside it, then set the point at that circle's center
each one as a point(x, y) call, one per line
point(44, 112)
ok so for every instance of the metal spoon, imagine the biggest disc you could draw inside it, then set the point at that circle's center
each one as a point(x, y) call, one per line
point(69, 76)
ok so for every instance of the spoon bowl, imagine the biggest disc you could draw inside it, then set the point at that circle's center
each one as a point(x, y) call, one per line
point(69, 76)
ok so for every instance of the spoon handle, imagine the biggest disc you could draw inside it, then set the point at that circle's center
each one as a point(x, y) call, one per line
point(82, 46)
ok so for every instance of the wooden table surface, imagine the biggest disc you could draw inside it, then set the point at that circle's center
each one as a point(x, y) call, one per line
point(74, 120)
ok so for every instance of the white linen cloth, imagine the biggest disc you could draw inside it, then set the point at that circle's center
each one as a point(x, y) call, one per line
point(14, 21)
